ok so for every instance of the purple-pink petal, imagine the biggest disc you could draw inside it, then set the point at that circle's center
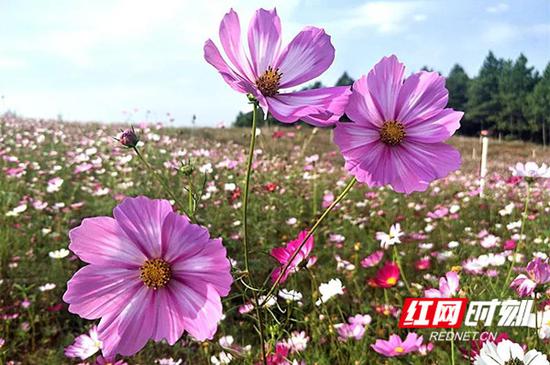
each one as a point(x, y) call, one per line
point(307, 56)
point(422, 96)
point(102, 241)
point(141, 219)
point(98, 290)
point(437, 128)
point(384, 83)
point(320, 103)
point(264, 39)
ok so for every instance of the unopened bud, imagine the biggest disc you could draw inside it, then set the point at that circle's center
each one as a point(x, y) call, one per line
point(129, 138)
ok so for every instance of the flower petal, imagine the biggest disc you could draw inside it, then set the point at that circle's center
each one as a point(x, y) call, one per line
point(437, 128)
point(230, 37)
point(353, 139)
point(384, 83)
point(237, 82)
point(180, 238)
point(170, 325)
point(128, 331)
point(141, 219)
point(210, 266)
point(422, 96)
point(327, 103)
point(362, 108)
point(307, 56)
point(102, 241)
point(264, 39)
point(200, 308)
point(95, 291)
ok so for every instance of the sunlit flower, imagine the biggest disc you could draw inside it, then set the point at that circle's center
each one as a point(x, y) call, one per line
point(538, 273)
point(84, 345)
point(387, 276)
point(266, 69)
point(448, 287)
point(530, 170)
point(151, 275)
point(283, 255)
point(398, 129)
point(387, 240)
point(328, 290)
point(507, 352)
point(59, 254)
point(397, 347)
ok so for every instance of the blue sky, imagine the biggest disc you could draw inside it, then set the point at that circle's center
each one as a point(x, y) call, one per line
point(113, 60)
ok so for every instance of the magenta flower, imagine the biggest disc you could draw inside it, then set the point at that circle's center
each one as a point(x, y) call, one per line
point(373, 259)
point(399, 126)
point(397, 347)
point(84, 345)
point(538, 273)
point(151, 275)
point(283, 255)
point(267, 68)
point(387, 276)
point(448, 287)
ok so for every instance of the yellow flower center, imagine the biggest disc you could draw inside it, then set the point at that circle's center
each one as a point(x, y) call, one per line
point(155, 273)
point(268, 82)
point(392, 132)
point(391, 281)
point(399, 349)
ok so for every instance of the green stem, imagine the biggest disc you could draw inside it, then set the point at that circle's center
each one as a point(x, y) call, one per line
point(398, 260)
point(309, 234)
point(517, 249)
point(453, 347)
point(163, 182)
point(245, 229)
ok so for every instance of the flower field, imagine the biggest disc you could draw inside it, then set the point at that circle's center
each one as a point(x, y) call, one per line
point(341, 300)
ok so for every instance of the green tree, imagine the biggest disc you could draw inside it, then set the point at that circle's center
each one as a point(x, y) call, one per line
point(457, 84)
point(482, 95)
point(538, 106)
point(345, 80)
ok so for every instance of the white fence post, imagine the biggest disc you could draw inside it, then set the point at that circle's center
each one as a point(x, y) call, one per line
point(485, 145)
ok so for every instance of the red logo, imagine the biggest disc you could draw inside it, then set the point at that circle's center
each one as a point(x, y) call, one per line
point(433, 312)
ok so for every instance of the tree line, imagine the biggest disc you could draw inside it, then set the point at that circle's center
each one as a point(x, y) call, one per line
point(507, 97)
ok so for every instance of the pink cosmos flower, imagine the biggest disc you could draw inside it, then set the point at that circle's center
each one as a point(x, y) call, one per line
point(350, 330)
point(387, 276)
point(283, 255)
point(399, 126)
point(538, 273)
point(397, 347)
point(84, 345)
point(266, 68)
point(448, 287)
point(373, 259)
point(151, 275)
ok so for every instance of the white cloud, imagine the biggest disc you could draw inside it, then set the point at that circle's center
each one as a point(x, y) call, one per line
point(500, 33)
point(498, 8)
point(384, 16)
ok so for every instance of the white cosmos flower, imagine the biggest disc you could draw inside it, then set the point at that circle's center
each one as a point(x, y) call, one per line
point(530, 169)
point(59, 254)
point(46, 287)
point(506, 352)
point(387, 240)
point(507, 209)
point(290, 295)
point(328, 290)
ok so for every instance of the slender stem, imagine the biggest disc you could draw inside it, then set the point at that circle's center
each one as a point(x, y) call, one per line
point(309, 234)
point(453, 347)
point(517, 249)
point(163, 182)
point(398, 260)
point(247, 185)
point(245, 230)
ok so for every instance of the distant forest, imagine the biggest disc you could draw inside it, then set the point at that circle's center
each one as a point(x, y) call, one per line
point(507, 98)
